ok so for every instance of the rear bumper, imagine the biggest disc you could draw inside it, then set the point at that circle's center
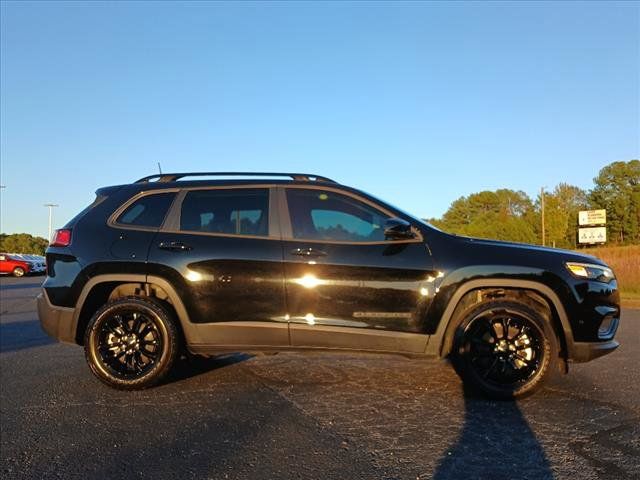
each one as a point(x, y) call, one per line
point(57, 322)
point(586, 351)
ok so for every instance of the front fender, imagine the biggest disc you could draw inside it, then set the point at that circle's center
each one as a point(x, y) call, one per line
point(456, 285)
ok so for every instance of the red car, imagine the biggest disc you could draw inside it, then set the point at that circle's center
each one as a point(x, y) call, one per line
point(13, 266)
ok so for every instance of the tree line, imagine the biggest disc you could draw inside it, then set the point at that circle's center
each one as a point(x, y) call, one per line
point(512, 215)
point(22, 243)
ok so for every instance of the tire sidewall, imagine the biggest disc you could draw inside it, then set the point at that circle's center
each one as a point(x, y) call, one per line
point(166, 328)
point(549, 350)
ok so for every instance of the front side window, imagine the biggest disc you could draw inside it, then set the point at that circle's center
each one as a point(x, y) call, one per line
point(147, 211)
point(235, 211)
point(327, 215)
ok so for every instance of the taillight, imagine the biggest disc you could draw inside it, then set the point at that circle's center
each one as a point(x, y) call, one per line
point(61, 238)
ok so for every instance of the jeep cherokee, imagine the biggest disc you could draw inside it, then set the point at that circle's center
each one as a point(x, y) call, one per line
point(272, 262)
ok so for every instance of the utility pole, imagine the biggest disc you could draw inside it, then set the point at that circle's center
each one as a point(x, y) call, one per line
point(51, 206)
point(542, 211)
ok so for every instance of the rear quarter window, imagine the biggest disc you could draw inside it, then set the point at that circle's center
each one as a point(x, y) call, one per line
point(147, 211)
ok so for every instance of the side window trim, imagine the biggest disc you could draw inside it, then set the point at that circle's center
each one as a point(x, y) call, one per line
point(172, 221)
point(287, 229)
point(112, 221)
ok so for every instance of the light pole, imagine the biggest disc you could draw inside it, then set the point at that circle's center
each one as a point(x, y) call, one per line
point(542, 212)
point(51, 206)
point(2, 187)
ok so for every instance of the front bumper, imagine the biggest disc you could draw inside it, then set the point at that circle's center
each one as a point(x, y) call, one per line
point(587, 351)
point(57, 322)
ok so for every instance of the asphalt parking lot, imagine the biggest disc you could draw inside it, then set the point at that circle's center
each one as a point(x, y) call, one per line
point(306, 416)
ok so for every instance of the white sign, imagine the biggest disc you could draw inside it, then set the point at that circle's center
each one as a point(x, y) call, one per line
point(592, 235)
point(592, 217)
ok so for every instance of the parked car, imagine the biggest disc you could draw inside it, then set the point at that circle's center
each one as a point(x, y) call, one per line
point(36, 262)
point(12, 264)
point(272, 262)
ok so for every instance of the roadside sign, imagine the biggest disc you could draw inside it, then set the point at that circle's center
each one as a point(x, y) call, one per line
point(592, 217)
point(592, 235)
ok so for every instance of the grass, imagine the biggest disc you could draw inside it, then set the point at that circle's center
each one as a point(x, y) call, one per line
point(625, 261)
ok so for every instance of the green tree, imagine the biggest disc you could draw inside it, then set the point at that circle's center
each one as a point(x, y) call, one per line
point(501, 215)
point(22, 243)
point(617, 189)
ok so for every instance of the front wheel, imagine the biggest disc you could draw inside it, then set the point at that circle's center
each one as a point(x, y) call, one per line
point(505, 349)
point(18, 272)
point(131, 343)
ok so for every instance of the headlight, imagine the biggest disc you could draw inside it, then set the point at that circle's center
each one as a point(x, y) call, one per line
point(590, 271)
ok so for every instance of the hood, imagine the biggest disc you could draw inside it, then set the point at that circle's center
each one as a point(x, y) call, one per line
point(566, 255)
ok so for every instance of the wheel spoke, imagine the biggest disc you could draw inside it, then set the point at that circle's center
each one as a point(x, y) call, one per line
point(139, 364)
point(490, 369)
point(113, 329)
point(137, 321)
point(121, 323)
point(505, 328)
point(148, 327)
point(149, 353)
point(526, 360)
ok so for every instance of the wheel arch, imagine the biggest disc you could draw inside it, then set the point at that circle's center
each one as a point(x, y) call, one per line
point(441, 341)
point(102, 288)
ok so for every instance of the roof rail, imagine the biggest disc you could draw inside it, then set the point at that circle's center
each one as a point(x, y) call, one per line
point(172, 177)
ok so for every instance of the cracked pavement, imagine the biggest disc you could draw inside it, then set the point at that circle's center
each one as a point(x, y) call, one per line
point(305, 416)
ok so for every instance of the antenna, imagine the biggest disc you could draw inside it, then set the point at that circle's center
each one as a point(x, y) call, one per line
point(159, 168)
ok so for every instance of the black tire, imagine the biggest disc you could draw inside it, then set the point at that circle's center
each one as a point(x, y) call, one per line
point(18, 272)
point(504, 366)
point(131, 343)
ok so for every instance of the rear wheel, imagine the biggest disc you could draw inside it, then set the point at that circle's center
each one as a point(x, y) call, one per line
point(18, 272)
point(505, 349)
point(131, 343)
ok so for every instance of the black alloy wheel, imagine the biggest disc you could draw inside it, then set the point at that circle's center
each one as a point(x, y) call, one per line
point(131, 343)
point(505, 349)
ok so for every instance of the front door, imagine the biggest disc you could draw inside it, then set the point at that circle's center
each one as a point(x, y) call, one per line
point(347, 286)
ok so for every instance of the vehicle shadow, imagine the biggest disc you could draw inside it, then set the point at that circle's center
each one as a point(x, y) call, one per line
point(495, 441)
point(193, 366)
point(15, 336)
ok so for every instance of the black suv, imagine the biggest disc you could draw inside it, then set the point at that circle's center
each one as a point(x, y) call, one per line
point(267, 262)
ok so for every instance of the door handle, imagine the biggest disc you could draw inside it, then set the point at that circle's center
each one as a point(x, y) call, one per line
point(174, 246)
point(308, 252)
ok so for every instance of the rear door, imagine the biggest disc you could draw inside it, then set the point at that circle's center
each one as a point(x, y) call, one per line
point(347, 286)
point(221, 247)
point(134, 226)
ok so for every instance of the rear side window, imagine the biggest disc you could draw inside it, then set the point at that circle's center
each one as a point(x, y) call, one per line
point(231, 211)
point(147, 211)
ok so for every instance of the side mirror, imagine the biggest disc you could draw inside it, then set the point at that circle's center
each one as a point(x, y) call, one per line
point(397, 229)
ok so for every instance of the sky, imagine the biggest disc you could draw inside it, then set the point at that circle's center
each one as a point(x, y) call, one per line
point(416, 103)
